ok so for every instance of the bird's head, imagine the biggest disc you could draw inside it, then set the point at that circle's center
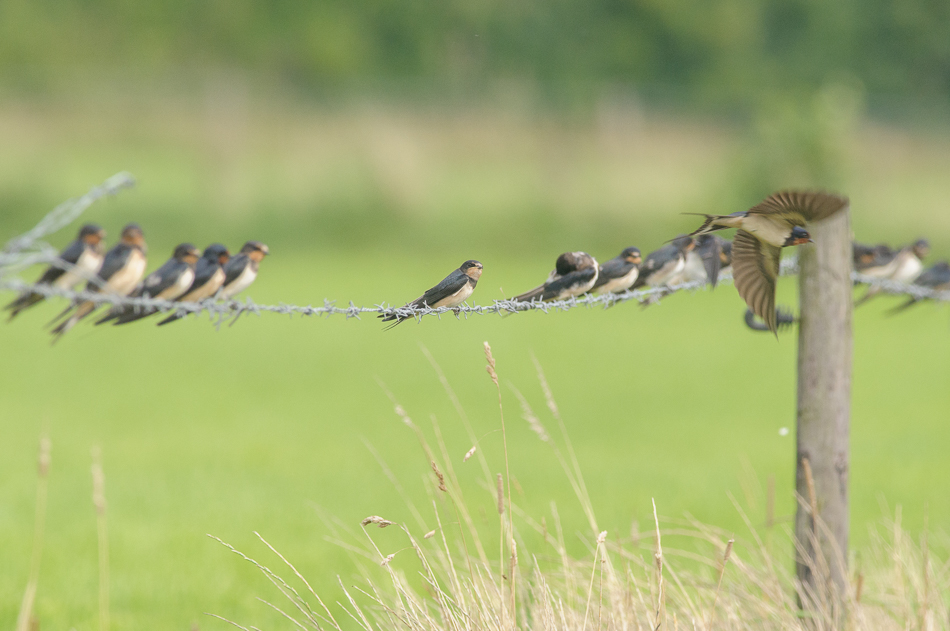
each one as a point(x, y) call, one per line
point(921, 248)
point(187, 253)
point(684, 243)
point(216, 253)
point(585, 260)
point(92, 234)
point(725, 254)
point(255, 250)
point(132, 235)
point(798, 236)
point(632, 255)
point(472, 269)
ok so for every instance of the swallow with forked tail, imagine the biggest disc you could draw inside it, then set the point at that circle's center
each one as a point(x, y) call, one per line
point(452, 291)
point(79, 261)
point(168, 282)
point(122, 268)
point(209, 277)
point(241, 270)
point(762, 231)
point(619, 273)
point(574, 273)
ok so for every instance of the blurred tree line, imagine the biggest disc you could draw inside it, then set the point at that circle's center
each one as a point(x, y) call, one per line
point(721, 53)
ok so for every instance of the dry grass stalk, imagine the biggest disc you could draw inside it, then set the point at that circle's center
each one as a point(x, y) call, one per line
point(812, 497)
point(25, 617)
point(438, 474)
point(377, 520)
point(429, 534)
point(722, 572)
point(658, 556)
point(770, 502)
point(99, 502)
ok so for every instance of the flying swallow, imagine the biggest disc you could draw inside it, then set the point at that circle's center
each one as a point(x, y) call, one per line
point(703, 262)
point(666, 264)
point(452, 291)
point(168, 282)
point(783, 319)
point(619, 273)
point(241, 269)
point(777, 222)
point(574, 273)
point(80, 260)
point(121, 271)
point(936, 277)
point(209, 277)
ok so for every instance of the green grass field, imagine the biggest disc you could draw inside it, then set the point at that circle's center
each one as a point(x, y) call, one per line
point(261, 426)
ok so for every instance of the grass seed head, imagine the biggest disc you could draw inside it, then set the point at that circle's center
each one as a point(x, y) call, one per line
point(376, 519)
point(429, 534)
point(470, 453)
point(441, 477)
point(389, 557)
point(45, 458)
point(491, 364)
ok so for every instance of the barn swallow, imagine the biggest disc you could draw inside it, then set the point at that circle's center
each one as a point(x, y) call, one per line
point(168, 282)
point(452, 291)
point(209, 277)
point(666, 264)
point(762, 231)
point(703, 262)
point(619, 273)
point(936, 277)
point(783, 319)
point(574, 273)
point(122, 268)
point(725, 257)
point(878, 261)
point(241, 269)
point(902, 266)
point(83, 258)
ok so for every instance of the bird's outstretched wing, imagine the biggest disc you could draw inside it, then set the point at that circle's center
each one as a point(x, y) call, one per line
point(755, 268)
point(800, 207)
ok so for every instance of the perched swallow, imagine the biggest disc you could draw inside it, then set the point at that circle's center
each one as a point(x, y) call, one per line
point(241, 269)
point(902, 266)
point(725, 257)
point(777, 222)
point(666, 264)
point(783, 319)
point(878, 261)
point(168, 282)
point(209, 277)
point(452, 291)
point(936, 277)
point(121, 271)
point(703, 262)
point(574, 273)
point(82, 258)
point(619, 273)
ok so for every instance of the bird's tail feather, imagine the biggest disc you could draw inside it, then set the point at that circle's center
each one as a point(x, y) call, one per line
point(714, 223)
point(528, 296)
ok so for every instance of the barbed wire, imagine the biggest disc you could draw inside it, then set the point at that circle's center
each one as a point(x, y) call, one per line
point(28, 250)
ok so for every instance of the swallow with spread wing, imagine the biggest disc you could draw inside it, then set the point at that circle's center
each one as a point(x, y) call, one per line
point(574, 273)
point(619, 273)
point(209, 277)
point(168, 282)
point(122, 268)
point(762, 231)
point(452, 291)
point(79, 261)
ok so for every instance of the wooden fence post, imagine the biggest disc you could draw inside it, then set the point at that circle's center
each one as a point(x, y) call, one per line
point(824, 408)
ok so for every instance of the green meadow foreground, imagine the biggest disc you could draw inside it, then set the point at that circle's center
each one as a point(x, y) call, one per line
point(271, 425)
point(263, 426)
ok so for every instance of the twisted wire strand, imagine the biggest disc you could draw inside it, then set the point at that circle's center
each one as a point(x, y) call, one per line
point(28, 250)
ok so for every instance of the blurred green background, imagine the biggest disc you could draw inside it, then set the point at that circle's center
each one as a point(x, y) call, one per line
point(376, 145)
